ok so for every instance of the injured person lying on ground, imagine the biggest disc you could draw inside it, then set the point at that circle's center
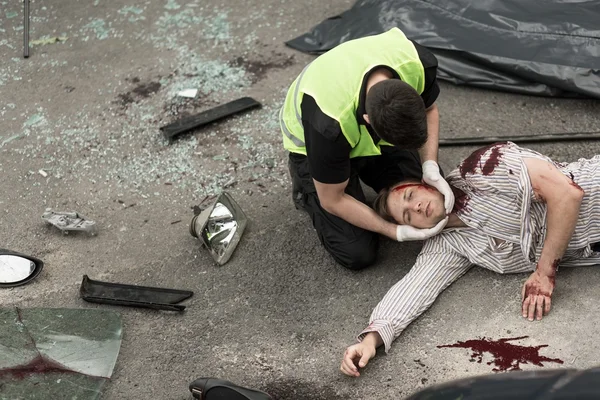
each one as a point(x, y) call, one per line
point(515, 211)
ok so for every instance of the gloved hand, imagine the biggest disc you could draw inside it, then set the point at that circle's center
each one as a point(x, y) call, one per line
point(406, 232)
point(431, 176)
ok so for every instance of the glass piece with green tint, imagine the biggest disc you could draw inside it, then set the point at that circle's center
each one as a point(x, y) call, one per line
point(57, 353)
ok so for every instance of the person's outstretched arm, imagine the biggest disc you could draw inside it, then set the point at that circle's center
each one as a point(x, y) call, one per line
point(563, 199)
point(435, 269)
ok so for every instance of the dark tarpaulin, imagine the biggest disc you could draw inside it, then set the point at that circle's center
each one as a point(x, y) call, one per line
point(545, 48)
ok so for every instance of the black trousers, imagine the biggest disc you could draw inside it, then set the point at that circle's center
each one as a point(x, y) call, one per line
point(353, 247)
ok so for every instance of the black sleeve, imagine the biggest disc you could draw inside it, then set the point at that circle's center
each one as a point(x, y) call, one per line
point(430, 64)
point(327, 149)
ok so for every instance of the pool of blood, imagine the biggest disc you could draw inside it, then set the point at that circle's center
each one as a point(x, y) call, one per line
point(507, 356)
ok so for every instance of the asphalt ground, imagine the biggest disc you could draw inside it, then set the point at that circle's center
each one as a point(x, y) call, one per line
point(86, 111)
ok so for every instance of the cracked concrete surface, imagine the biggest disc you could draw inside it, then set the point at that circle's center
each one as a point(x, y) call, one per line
point(279, 315)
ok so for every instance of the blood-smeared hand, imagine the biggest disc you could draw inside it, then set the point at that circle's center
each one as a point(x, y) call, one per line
point(536, 295)
point(357, 355)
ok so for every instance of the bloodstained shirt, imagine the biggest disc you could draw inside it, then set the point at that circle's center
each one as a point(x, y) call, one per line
point(506, 228)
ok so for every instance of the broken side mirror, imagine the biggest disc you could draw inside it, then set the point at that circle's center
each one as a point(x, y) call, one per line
point(220, 227)
point(17, 269)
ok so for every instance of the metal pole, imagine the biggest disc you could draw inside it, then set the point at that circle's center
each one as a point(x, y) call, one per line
point(26, 29)
point(551, 137)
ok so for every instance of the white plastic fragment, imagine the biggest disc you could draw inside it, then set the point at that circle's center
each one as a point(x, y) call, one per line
point(190, 93)
point(43, 173)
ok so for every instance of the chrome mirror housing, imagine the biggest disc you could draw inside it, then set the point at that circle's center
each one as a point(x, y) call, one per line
point(17, 269)
point(220, 227)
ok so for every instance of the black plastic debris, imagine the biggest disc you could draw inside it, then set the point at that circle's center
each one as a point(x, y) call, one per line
point(554, 384)
point(539, 138)
point(208, 116)
point(214, 389)
point(131, 295)
point(545, 48)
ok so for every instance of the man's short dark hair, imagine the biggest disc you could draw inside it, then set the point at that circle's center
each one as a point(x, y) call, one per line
point(380, 205)
point(397, 114)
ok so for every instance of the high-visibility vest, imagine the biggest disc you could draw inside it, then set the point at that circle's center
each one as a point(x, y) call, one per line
point(334, 80)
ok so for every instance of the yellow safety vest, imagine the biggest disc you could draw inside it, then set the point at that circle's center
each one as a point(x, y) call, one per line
point(334, 80)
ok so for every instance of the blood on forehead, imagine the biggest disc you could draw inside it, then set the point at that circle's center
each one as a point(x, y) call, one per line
point(400, 187)
point(404, 186)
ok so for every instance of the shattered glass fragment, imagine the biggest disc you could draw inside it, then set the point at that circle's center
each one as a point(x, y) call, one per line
point(57, 353)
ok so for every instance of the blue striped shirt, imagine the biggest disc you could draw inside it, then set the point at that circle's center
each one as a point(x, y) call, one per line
point(506, 228)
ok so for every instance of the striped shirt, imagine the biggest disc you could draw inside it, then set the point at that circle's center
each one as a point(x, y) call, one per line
point(506, 227)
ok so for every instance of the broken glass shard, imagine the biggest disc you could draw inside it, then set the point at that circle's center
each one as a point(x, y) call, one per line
point(57, 353)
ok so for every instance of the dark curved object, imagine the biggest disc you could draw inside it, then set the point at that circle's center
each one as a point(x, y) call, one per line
point(120, 294)
point(39, 265)
point(558, 384)
point(208, 116)
point(544, 48)
point(218, 389)
point(540, 138)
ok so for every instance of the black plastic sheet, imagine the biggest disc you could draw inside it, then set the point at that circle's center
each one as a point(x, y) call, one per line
point(545, 48)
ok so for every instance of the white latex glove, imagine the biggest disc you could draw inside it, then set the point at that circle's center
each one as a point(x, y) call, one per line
point(406, 232)
point(431, 176)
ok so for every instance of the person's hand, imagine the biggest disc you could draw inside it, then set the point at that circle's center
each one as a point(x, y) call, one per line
point(431, 176)
point(536, 295)
point(357, 355)
point(405, 233)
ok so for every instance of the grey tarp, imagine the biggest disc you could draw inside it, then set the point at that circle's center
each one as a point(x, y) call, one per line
point(546, 48)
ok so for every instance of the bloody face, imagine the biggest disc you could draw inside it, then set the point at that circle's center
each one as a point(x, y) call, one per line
point(416, 204)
